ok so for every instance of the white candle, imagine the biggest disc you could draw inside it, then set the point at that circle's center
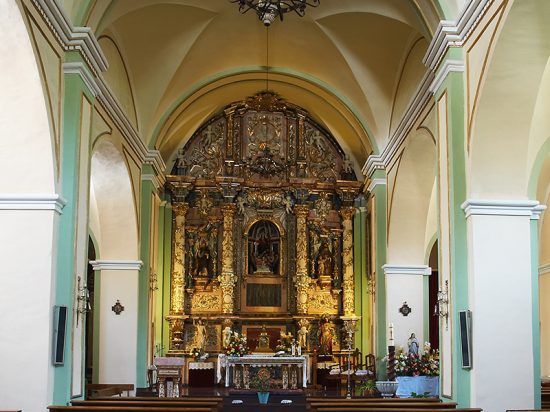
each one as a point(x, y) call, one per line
point(391, 335)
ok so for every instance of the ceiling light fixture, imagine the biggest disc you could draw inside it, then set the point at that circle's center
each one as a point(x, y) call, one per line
point(268, 10)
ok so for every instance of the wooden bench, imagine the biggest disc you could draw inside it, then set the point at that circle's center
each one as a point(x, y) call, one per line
point(108, 389)
point(400, 403)
point(401, 408)
point(131, 408)
point(140, 399)
point(172, 403)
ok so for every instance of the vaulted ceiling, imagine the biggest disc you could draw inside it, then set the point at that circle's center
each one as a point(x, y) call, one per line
point(353, 64)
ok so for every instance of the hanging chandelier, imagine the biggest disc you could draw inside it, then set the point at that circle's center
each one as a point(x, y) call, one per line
point(268, 10)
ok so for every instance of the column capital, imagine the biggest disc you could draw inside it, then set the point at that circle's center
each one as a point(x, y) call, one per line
point(116, 264)
point(500, 207)
point(347, 212)
point(228, 209)
point(301, 211)
point(180, 209)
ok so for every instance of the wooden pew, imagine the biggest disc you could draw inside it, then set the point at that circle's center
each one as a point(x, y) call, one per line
point(401, 408)
point(131, 408)
point(172, 403)
point(373, 401)
point(400, 403)
point(108, 389)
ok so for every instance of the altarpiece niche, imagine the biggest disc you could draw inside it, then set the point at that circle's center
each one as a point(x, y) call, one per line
point(263, 206)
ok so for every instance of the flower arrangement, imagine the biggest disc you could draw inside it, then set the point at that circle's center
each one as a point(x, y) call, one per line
point(423, 364)
point(195, 353)
point(285, 342)
point(237, 346)
point(263, 381)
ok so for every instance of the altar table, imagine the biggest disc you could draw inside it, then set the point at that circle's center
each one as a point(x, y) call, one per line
point(201, 374)
point(289, 365)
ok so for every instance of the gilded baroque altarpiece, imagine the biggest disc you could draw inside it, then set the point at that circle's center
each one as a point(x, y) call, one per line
point(263, 207)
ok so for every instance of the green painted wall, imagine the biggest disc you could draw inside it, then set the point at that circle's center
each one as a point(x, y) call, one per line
point(65, 276)
point(147, 189)
point(454, 86)
point(380, 243)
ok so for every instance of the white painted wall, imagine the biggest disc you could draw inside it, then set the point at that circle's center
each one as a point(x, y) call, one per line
point(404, 286)
point(26, 307)
point(500, 298)
point(117, 333)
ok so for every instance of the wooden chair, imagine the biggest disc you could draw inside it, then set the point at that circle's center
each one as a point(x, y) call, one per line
point(366, 370)
point(347, 365)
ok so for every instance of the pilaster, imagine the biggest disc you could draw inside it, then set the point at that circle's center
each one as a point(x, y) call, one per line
point(302, 277)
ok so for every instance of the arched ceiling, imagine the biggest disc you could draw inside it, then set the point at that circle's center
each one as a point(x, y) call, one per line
point(185, 60)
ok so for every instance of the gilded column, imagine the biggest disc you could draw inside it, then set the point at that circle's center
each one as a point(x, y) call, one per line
point(228, 280)
point(177, 287)
point(348, 286)
point(302, 278)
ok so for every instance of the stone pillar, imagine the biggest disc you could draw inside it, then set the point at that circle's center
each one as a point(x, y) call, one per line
point(228, 280)
point(348, 212)
point(302, 278)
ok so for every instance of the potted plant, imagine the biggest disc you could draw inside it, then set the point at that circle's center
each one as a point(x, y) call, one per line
point(368, 388)
point(263, 382)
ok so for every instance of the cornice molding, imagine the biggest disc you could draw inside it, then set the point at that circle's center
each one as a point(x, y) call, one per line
point(450, 34)
point(419, 100)
point(152, 178)
point(544, 269)
point(116, 264)
point(82, 40)
point(375, 182)
point(496, 207)
point(80, 69)
point(32, 202)
point(423, 270)
point(537, 210)
point(449, 66)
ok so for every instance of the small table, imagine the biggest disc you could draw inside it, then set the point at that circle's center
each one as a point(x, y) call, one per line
point(201, 374)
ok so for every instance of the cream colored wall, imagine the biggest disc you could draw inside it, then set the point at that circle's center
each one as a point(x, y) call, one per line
point(118, 78)
point(28, 238)
point(411, 202)
point(114, 218)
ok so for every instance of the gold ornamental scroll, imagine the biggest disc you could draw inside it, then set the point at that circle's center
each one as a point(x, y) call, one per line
point(302, 278)
point(228, 280)
point(177, 286)
point(347, 213)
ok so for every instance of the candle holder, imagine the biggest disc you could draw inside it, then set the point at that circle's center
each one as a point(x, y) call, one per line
point(350, 327)
point(442, 305)
point(391, 363)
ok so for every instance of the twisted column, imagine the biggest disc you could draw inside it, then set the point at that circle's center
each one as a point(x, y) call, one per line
point(348, 284)
point(302, 278)
point(228, 280)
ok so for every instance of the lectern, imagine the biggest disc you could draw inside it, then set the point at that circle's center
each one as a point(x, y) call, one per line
point(172, 369)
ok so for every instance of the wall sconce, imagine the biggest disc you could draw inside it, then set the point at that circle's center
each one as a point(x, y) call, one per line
point(442, 306)
point(82, 299)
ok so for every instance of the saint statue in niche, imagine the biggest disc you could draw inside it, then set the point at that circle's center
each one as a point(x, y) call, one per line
point(204, 261)
point(264, 245)
point(324, 261)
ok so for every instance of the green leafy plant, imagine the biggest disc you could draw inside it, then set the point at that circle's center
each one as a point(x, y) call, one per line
point(416, 395)
point(263, 381)
point(367, 388)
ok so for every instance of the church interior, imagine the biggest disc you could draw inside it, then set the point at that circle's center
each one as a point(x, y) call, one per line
point(216, 186)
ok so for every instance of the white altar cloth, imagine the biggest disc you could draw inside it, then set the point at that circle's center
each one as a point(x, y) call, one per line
point(301, 362)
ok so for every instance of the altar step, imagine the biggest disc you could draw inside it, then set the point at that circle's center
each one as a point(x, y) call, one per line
point(250, 402)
